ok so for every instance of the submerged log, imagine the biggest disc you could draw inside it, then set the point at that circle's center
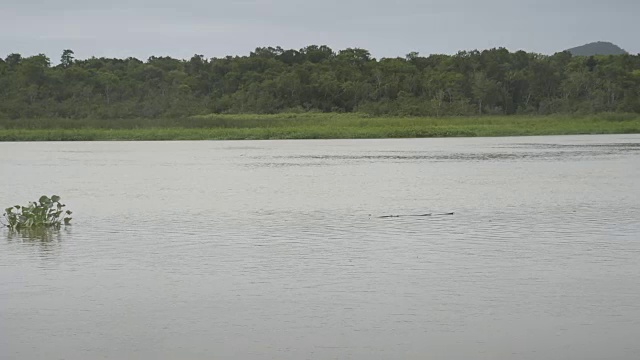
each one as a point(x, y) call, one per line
point(414, 215)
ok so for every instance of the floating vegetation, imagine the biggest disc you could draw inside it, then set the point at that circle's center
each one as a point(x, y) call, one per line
point(47, 212)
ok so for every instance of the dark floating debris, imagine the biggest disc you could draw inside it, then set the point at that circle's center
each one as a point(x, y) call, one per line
point(414, 215)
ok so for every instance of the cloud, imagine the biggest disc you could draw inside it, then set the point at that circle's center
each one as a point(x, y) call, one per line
point(143, 28)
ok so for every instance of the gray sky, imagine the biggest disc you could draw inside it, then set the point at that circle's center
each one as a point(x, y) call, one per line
point(213, 28)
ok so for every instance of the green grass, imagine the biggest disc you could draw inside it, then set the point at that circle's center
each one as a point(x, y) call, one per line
point(310, 126)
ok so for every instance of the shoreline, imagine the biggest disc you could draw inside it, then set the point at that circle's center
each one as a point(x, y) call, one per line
point(312, 126)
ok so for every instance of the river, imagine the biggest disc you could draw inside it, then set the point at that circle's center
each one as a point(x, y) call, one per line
point(276, 249)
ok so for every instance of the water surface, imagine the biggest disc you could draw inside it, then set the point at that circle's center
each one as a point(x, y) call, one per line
point(274, 250)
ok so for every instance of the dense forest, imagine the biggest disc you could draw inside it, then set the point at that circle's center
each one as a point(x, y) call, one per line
point(318, 79)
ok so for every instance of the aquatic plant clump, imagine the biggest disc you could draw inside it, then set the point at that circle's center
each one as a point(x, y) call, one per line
point(47, 212)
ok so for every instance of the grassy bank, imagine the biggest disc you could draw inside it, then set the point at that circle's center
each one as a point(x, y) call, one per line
point(310, 126)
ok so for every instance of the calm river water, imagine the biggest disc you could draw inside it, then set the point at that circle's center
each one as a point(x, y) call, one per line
point(274, 250)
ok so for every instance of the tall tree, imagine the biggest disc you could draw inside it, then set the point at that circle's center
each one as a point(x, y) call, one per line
point(66, 59)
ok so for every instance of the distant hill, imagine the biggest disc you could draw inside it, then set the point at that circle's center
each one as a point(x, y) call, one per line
point(597, 48)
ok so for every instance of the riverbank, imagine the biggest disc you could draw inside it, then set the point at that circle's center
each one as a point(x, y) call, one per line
point(311, 126)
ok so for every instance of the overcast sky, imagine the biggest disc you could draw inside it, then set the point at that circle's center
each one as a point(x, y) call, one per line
point(214, 28)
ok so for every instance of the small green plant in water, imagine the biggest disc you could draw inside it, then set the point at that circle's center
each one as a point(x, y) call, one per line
point(47, 212)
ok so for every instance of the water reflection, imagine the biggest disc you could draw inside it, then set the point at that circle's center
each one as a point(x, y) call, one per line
point(37, 235)
point(47, 241)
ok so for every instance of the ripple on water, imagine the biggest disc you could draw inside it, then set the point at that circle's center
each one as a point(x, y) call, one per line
point(275, 249)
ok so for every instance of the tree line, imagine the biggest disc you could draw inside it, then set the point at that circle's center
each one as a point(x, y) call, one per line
point(319, 79)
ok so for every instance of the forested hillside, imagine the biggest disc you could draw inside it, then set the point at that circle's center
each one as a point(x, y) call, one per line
point(272, 80)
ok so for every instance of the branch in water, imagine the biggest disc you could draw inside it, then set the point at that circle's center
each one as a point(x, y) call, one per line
point(397, 216)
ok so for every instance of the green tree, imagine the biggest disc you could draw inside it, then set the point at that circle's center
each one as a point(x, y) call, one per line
point(66, 60)
point(317, 78)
